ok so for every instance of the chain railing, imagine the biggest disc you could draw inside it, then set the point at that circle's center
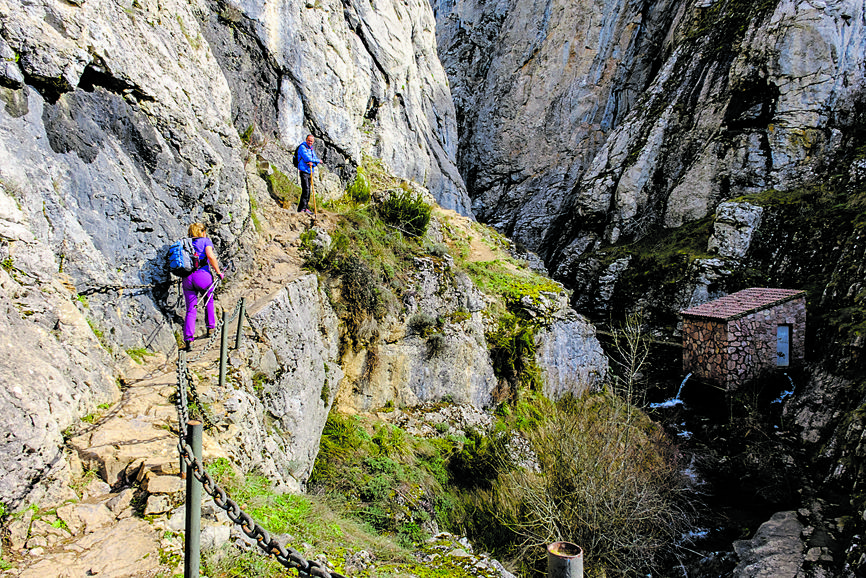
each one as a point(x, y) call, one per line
point(190, 463)
point(187, 387)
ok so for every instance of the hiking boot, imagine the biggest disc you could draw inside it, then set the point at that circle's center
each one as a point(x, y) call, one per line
point(308, 211)
point(187, 346)
point(208, 332)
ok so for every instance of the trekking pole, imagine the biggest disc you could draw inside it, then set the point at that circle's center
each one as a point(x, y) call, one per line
point(212, 289)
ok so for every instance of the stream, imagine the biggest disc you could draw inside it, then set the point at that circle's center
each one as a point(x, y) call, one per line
point(729, 447)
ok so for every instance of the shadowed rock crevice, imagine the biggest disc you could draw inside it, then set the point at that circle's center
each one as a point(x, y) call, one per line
point(253, 76)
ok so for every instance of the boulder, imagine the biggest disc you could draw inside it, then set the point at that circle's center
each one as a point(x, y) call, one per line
point(776, 549)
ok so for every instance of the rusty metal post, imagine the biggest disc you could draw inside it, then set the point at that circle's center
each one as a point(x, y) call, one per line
point(240, 324)
point(192, 539)
point(564, 560)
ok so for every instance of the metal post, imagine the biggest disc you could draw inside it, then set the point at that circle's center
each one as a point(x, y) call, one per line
point(240, 324)
point(564, 560)
point(224, 345)
point(192, 540)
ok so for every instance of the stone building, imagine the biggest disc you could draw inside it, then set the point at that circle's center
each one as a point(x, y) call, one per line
point(745, 335)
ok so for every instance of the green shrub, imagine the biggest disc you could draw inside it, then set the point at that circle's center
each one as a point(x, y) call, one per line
point(388, 479)
point(606, 479)
point(438, 250)
point(512, 351)
point(407, 211)
point(422, 323)
point(436, 343)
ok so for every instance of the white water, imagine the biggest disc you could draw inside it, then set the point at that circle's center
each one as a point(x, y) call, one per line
point(676, 399)
point(786, 393)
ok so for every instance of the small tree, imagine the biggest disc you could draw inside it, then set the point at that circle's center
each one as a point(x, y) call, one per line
point(630, 352)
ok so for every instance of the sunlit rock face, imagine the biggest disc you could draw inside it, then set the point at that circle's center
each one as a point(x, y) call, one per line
point(588, 124)
point(362, 76)
point(122, 122)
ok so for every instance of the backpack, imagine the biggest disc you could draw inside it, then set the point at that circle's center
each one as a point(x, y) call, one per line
point(295, 158)
point(182, 258)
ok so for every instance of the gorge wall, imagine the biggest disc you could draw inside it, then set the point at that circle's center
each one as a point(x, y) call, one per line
point(587, 125)
point(123, 122)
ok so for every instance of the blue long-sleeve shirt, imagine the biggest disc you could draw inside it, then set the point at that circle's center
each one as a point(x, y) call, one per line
point(306, 155)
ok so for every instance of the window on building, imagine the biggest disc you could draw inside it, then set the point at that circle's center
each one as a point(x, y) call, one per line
point(783, 345)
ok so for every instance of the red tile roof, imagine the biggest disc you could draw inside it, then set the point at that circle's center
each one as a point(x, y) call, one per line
point(742, 303)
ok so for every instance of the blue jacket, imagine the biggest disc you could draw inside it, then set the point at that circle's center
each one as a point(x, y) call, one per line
point(307, 154)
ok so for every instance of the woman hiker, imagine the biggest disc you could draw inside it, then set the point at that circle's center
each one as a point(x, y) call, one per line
point(200, 281)
point(307, 161)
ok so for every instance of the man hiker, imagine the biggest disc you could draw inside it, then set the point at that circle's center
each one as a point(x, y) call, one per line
point(307, 161)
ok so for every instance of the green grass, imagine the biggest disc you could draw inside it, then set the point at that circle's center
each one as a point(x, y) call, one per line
point(359, 190)
point(281, 188)
point(139, 354)
point(383, 476)
point(509, 283)
point(311, 520)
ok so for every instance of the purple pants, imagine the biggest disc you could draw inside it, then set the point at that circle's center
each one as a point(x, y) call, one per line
point(197, 282)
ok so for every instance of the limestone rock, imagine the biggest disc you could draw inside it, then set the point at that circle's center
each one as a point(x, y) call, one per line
point(734, 227)
point(213, 536)
point(301, 328)
point(70, 517)
point(93, 516)
point(19, 529)
point(163, 484)
point(368, 79)
point(570, 355)
point(96, 554)
point(776, 549)
point(95, 487)
point(157, 504)
point(659, 129)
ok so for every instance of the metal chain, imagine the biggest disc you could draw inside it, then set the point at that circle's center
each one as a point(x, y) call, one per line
point(290, 558)
point(108, 288)
point(215, 332)
point(182, 408)
point(253, 327)
point(235, 312)
point(208, 422)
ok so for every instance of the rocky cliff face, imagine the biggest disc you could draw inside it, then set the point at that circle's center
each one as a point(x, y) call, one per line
point(584, 126)
point(121, 125)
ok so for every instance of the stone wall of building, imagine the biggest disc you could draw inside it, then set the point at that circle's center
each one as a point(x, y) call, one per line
point(752, 341)
point(732, 352)
point(705, 349)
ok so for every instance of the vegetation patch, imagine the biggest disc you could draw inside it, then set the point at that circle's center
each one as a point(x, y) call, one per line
point(726, 21)
point(139, 354)
point(383, 477)
point(406, 211)
point(596, 472)
point(308, 521)
point(281, 188)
